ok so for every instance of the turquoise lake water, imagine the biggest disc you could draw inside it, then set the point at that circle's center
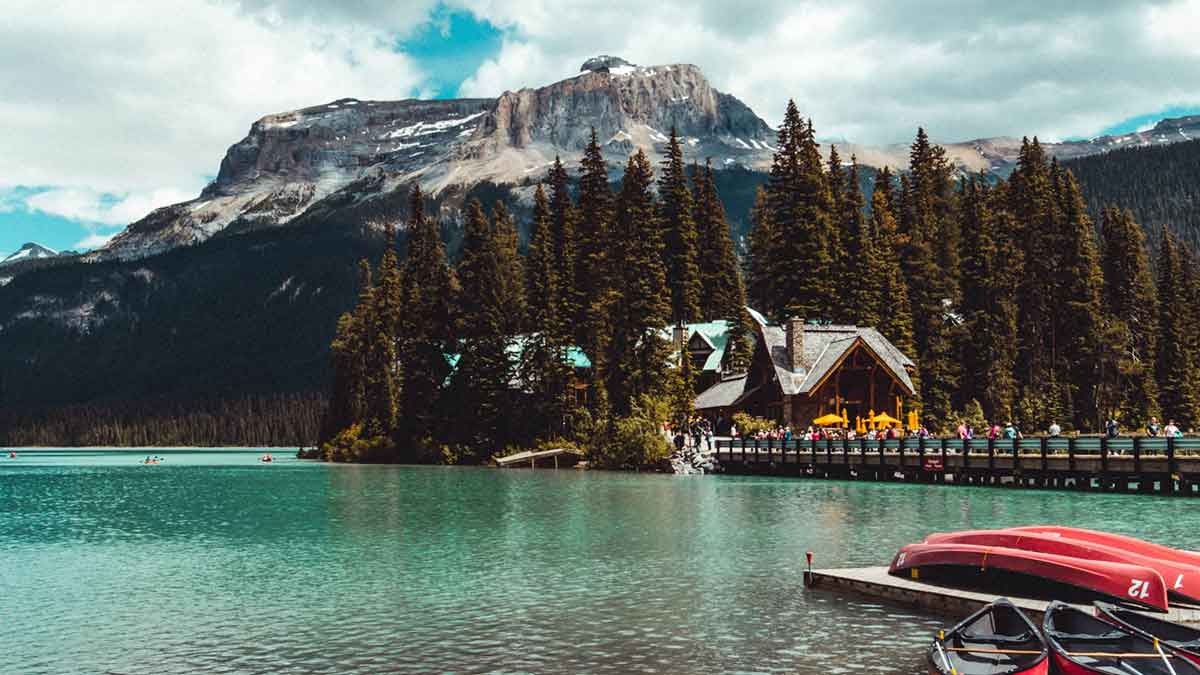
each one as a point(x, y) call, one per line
point(214, 563)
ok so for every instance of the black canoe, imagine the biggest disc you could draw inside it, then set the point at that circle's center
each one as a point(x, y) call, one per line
point(997, 640)
point(1081, 644)
point(1183, 639)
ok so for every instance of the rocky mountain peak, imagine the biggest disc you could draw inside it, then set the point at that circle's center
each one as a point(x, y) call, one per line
point(604, 63)
point(29, 251)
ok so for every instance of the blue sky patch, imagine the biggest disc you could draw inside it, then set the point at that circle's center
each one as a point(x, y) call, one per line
point(450, 47)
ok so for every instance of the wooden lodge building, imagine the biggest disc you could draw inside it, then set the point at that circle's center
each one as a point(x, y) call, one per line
point(802, 371)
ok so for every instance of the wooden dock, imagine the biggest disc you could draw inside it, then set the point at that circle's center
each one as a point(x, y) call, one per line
point(1149, 465)
point(529, 458)
point(876, 583)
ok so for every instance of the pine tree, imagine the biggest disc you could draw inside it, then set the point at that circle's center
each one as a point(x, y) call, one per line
point(799, 202)
point(722, 293)
point(637, 353)
point(861, 306)
point(544, 368)
point(760, 286)
point(1176, 360)
point(681, 256)
point(563, 235)
point(1131, 310)
point(930, 264)
point(1079, 316)
point(889, 294)
point(991, 269)
point(426, 336)
point(838, 193)
point(384, 316)
point(347, 401)
point(593, 279)
point(492, 301)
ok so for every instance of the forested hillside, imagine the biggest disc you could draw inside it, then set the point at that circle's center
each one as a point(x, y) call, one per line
point(1159, 184)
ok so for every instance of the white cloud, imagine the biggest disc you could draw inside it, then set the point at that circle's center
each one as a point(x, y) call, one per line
point(872, 72)
point(93, 241)
point(141, 100)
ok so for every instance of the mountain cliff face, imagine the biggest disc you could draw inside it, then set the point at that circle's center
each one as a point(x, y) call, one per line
point(348, 152)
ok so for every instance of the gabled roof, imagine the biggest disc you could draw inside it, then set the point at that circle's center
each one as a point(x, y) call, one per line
point(824, 348)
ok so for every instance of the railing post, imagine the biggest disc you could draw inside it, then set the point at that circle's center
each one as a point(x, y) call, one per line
point(813, 449)
point(921, 451)
point(882, 459)
point(991, 455)
point(1104, 454)
point(828, 452)
point(1016, 448)
point(1071, 453)
point(900, 448)
point(966, 454)
point(1044, 447)
point(845, 451)
point(1137, 456)
point(945, 466)
point(1172, 466)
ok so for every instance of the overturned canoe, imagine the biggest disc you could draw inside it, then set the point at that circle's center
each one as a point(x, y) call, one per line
point(1183, 580)
point(1081, 644)
point(997, 640)
point(1131, 544)
point(1134, 584)
point(1183, 639)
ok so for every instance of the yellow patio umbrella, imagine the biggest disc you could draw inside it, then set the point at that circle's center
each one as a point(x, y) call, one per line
point(884, 418)
point(828, 420)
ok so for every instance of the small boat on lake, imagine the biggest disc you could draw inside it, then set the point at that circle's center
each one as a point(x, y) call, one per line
point(997, 640)
point(1130, 544)
point(970, 565)
point(1183, 639)
point(1183, 580)
point(1081, 644)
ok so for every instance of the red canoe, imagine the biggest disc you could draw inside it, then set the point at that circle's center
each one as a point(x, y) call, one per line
point(1183, 639)
point(1122, 582)
point(1081, 644)
point(1183, 580)
point(1118, 541)
point(997, 640)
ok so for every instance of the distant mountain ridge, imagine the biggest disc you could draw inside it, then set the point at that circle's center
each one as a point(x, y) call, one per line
point(348, 157)
point(29, 251)
point(348, 152)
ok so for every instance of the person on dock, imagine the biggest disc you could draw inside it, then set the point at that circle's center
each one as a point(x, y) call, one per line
point(963, 434)
point(1010, 431)
point(1152, 429)
point(1054, 430)
point(993, 433)
point(1111, 429)
point(1171, 430)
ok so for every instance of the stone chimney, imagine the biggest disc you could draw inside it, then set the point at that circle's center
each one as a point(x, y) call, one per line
point(795, 344)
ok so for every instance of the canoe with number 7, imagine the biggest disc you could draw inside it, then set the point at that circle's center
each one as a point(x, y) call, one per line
point(1081, 644)
point(970, 565)
point(1183, 581)
point(1183, 639)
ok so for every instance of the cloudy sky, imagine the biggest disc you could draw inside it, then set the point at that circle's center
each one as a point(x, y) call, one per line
point(108, 110)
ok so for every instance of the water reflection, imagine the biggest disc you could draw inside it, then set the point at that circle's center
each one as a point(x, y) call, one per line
point(200, 565)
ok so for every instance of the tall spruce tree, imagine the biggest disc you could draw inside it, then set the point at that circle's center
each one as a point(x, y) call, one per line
point(347, 401)
point(800, 206)
point(722, 292)
point(990, 273)
point(1176, 365)
point(1079, 311)
point(930, 265)
point(888, 295)
point(594, 270)
point(860, 306)
point(544, 366)
point(676, 217)
point(384, 315)
point(491, 301)
point(637, 352)
point(426, 336)
point(563, 218)
point(1131, 310)
point(760, 286)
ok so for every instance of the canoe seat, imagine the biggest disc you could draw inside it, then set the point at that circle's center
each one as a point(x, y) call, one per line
point(1111, 636)
point(993, 639)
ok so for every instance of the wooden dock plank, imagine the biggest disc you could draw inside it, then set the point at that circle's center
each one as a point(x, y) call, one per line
point(875, 582)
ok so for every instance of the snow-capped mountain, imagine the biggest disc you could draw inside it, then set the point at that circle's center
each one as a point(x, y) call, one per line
point(328, 160)
point(349, 151)
point(29, 251)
